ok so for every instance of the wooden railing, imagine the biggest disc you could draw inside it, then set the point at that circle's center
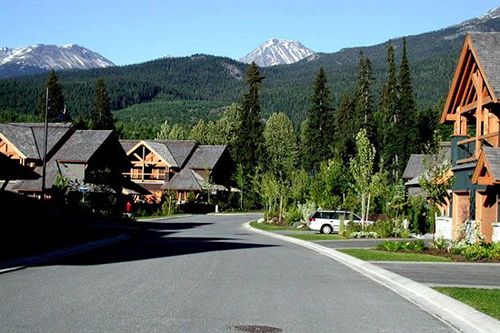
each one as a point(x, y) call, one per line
point(145, 176)
point(471, 148)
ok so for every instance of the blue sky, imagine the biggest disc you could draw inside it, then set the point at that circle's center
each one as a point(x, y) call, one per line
point(132, 31)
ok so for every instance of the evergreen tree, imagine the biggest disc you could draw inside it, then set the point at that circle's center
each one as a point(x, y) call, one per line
point(385, 117)
point(101, 117)
point(55, 99)
point(248, 148)
point(345, 129)
point(364, 97)
point(319, 132)
point(408, 115)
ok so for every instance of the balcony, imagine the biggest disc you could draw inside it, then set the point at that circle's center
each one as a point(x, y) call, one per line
point(465, 149)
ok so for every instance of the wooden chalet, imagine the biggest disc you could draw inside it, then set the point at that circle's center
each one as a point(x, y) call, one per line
point(180, 165)
point(473, 106)
point(88, 157)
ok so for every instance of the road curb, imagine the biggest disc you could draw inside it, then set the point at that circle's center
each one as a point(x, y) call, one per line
point(456, 314)
point(20, 263)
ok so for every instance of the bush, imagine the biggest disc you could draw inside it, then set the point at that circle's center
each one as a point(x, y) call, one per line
point(495, 251)
point(413, 246)
point(364, 234)
point(352, 227)
point(476, 252)
point(292, 214)
point(440, 243)
point(383, 228)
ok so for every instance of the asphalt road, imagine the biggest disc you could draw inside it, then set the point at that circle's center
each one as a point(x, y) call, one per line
point(202, 274)
point(454, 274)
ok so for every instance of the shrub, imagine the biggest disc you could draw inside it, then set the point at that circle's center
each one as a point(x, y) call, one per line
point(413, 246)
point(495, 251)
point(456, 247)
point(440, 243)
point(364, 234)
point(476, 252)
point(352, 227)
point(292, 214)
point(383, 228)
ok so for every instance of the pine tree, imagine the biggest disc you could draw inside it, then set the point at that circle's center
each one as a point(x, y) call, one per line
point(364, 97)
point(318, 136)
point(248, 148)
point(55, 99)
point(101, 117)
point(408, 115)
point(385, 118)
point(345, 132)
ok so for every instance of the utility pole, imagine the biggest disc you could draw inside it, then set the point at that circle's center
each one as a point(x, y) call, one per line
point(46, 130)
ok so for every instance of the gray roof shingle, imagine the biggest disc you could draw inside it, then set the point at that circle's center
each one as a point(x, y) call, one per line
point(206, 157)
point(493, 158)
point(414, 167)
point(29, 137)
point(184, 180)
point(80, 147)
point(128, 144)
point(487, 46)
point(181, 150)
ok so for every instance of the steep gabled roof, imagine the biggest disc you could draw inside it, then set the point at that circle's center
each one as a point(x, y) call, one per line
point(206, 157)
point(487, 47)
point(480, 54)
point(184, 180)
point(79, 148)
point(487, 171)
point(163, 152)
point(28, 138)
point(181, 150)
point(414, 167)
point(82, 145)
point(128, 144)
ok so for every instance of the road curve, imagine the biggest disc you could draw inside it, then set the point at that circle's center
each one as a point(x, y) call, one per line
point(203, 274)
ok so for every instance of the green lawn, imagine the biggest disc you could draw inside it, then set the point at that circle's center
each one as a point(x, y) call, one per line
point(271, 227)
point(315, 237)
point(376, 255)
point(484, 300)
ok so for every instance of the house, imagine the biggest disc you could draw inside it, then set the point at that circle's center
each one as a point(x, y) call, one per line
point(180, 165)
point(85, 157)
point(473, 107)
point(416, 165)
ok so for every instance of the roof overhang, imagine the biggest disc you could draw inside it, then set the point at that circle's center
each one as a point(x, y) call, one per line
point(144, 143)
point(468, 59)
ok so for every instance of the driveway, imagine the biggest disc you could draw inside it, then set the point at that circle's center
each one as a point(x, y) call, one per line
point(203, 274)
point(447, 274)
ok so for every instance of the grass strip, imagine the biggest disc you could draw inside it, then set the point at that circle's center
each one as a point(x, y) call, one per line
point(376, 255)
point(484, 300)
point(271, 227)
point(316, 237)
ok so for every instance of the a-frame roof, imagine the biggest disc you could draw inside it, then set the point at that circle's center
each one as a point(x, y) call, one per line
point(480, 53)
point(487, 171)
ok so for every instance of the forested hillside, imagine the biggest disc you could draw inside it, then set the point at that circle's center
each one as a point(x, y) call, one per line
point(218, 80)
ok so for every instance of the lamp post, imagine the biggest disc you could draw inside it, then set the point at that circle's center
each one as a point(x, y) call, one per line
point(46, 130)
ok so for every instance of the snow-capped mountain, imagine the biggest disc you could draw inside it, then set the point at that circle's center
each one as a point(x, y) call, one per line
point(477, 24)
point(277, 52)
point(40, 58)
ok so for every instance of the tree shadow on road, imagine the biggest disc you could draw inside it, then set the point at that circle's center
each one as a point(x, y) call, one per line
point(156, 240)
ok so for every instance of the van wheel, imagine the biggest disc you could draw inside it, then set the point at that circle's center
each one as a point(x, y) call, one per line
point(326, 229)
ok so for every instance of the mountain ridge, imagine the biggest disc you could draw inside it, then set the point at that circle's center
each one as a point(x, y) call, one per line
point(39, 58)
point(277, 52)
